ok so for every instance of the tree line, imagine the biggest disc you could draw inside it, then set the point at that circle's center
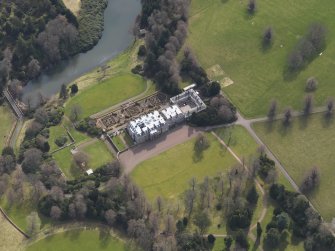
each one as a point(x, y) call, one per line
point(36, 35)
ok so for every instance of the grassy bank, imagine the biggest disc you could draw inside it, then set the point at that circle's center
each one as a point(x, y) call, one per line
point(106, 93)
point(222, 34)
point(174, 168)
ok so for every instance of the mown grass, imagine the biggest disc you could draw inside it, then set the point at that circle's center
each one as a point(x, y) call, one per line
point(221, 32)
point(174, 169)
point(7, 120)
point(56, 132)
point(106, 93)
point(306, 143)
point(64, 160)
point(83, 240)
point(98, 154)
point(118, 142)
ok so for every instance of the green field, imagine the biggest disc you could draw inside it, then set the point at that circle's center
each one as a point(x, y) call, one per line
point(174, 168)
point(98, 154)
point(106, 93)
point(56, 132)
point(306, 144)
point(119, 142)
point(245, 147)
point(7, 120)
point(222, 33)
point(83, 240)
point(65, 162)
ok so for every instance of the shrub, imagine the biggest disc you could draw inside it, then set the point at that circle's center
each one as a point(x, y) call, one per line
point(74, 89)
point(142, 51)
point(311, 84)
point(60, 141)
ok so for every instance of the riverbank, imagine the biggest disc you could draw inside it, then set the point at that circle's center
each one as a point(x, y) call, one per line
point(119, 18)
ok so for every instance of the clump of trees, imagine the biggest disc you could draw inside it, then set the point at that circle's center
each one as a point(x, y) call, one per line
point(309, 46)
point(61, 141)
point(91, 23)
point(166, 33)
point(219, 111)
point(87, 125)
point(27, 30)
point(306, 222)
point(311, 180)
point(190, 69)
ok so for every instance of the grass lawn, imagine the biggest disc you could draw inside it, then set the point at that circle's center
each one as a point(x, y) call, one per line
point(83, 240)
point(56, 132)
point(65, 162)
point(245, 147)
point(119, 143)
point(222, 34)
point(7, 120)
point(219, 244)
point(98, 154)
point(174, 168)
point(10, 239)
point(106, 93)
point(303, 145)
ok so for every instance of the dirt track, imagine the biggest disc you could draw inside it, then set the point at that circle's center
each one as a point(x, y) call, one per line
point(136, 155)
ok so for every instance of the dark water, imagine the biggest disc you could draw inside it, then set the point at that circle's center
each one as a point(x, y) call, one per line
point(117, 36)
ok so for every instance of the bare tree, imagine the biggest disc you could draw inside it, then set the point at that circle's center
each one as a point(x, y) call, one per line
point(81, 159)
point(311, 180)
point(251, 7)
point(267, 36)
point(287, 117)
point(272, 110)
point(330, 107)
point(190, 196)
point(202, 221)
point(76, 111)
point(110, 217)
point(55, 213)
point(32, 160)
point(169, 225)
point(33, 223)
point(159, 202)
point(57, 193)
point(34, 68)
point(41, 116)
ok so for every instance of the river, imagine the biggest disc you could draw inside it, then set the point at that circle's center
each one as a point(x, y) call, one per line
point(119, 19)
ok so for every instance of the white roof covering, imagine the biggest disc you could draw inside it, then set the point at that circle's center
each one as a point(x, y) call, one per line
point(89, 171)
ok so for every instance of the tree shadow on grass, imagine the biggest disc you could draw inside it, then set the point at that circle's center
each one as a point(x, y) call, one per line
point(73, 234)
point(256, 244)
point(327, 120)
point(285, 128)
point(104, 237)
point(303, 121)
